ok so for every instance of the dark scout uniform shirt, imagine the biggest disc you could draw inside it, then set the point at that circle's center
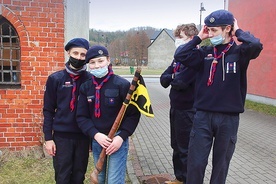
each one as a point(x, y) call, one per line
point(112, 95)
point(228, 91)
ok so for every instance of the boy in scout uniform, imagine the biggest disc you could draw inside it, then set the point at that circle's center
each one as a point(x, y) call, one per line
point(221, 85)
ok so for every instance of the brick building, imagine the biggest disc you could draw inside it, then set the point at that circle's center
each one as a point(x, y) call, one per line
point(32, 38)
point(259, 19)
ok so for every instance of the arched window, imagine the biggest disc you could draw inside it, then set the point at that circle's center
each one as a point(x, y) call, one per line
point(10, 75)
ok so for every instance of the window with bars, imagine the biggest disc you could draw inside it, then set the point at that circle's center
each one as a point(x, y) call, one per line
point(10, 74)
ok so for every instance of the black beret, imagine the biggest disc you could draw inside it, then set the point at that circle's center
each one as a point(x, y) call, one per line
point(77, 42)
point(219, 18)
point(96, 51)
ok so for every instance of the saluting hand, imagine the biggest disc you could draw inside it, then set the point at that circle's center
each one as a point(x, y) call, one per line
point(203, 33)
point(235, 27)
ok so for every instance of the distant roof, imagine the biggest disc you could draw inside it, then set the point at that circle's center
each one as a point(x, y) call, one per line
point(157, 33)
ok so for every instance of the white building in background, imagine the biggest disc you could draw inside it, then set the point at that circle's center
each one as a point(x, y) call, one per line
point(161, 50)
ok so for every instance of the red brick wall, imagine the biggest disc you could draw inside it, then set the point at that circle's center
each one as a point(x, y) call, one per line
point(258, 17)
point(40, 26)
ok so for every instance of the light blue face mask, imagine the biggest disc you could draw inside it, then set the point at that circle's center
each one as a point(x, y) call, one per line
point(100, 72)
point(217, 40)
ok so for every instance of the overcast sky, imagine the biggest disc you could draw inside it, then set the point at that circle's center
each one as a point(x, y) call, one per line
point(113, 15)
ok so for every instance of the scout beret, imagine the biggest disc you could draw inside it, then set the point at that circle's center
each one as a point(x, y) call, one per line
point(77, 42)
point(219, 18)
point(96, 51)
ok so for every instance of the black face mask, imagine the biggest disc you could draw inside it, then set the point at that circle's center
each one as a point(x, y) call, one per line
point(76, 63)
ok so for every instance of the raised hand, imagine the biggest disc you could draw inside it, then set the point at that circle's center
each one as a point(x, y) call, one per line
point(203, 33)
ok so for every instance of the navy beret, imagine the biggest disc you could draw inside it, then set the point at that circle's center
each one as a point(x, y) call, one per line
point(219, 18)
point(96, 51)
point(77, 42)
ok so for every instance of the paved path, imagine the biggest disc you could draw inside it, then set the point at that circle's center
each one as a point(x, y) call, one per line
point(254, 160)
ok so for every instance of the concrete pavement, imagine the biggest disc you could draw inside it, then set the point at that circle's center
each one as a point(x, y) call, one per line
point(150, 154)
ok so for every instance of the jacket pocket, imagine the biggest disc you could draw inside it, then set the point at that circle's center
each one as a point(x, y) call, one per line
point(231, 63)
point(111, 97)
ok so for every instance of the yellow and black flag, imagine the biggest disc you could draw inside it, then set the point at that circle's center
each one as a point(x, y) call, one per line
point(140, 98)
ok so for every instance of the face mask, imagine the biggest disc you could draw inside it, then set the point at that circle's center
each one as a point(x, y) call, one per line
point(100, 72)
point(217, 40)
point(76, 63)
point(179, 41)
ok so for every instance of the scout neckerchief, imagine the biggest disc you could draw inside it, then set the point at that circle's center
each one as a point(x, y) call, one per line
point(75, 75)
point(73, 99)
point(176, 67)
point(215, 62)
point(97, 94)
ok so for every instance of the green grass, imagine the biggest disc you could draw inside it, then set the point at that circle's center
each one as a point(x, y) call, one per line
point(32, 167)
point(262, 108)
point(27, 170)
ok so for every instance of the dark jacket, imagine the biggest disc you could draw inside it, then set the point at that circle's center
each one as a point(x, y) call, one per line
point(56, 110)
point(112, 96)
point(228, 91)
point(182, 84)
